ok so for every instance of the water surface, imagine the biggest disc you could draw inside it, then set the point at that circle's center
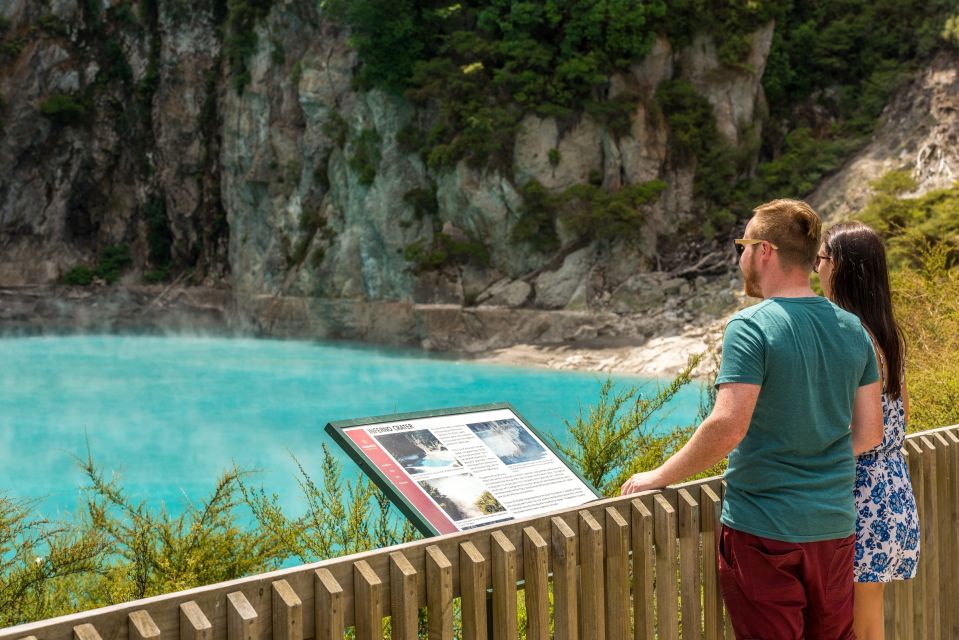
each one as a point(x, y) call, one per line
point(169, 414)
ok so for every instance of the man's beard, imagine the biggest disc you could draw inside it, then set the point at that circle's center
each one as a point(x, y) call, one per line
point(751, 279)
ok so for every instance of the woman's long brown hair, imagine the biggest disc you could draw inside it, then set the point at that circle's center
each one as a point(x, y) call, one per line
point(860, 284)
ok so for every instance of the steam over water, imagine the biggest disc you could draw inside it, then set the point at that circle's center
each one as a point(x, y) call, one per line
point(170, 414)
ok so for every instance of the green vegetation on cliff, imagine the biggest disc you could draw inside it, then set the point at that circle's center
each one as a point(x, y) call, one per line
point(112, 262)
point(481, 66)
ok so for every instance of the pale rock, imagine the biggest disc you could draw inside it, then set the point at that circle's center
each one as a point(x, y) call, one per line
point(733, 92)
point(647, 73)
point(579, 301)
point(438, 287)
point(507, 293)
point(486, 206)
point(639, 293)
point(555, 289)
point(580, 152)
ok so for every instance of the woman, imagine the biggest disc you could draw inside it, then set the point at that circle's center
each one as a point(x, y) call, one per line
point(852, 268)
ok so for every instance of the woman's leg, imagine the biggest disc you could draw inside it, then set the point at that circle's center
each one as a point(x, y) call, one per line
point(868, 620)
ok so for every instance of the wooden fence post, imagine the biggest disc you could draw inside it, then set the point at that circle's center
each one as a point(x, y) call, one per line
point(473, 572)
point(617, 576)
point(667, 595)
point(328, 612)
point(193, 624)
point(403, 610)
point(712, 596)
point(917, 601)
point(643, 558)
point(140, 626)
point(242, 620)
point(439, 594)
point(287, 612)
point(536, 592)
point(564, 547)
point(592, 597)
point(367, 601)
point(689, 563)
point(931, 546)
point(503, 553)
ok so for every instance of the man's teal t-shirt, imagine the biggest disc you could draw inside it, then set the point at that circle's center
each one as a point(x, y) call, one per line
point(791, 478)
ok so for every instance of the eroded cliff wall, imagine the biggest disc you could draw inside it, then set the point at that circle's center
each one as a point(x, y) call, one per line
point(124, 125)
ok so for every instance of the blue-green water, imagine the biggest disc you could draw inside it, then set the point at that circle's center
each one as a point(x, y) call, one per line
point(169, 414)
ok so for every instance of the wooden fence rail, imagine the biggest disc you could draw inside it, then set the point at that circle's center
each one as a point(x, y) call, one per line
point(618, 569)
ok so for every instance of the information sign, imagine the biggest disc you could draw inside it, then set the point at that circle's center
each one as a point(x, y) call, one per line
point(457, 469)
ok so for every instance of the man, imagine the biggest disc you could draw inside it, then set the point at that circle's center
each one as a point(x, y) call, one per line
point(798, 394)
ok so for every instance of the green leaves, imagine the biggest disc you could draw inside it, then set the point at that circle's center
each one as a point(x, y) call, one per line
point(35, 556)
point(65, 110)
point(616, 437)
point(487, 64)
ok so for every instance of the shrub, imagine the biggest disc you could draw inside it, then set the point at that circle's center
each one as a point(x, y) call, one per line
point(594, 214)
point(412, 139)
point(616, 437)
point(366, 156)
point(159, 235)
point(616, 114)
point(240, 39)
point(950, 31)
point(336, 128)
point(908, 223)
point(52, 24)
point(537, 221)
point(80, 275)
point(922, 235)
point(553, 157)
point(38, 557)
point(445, 251)
point(926, 299)
point(423, 202)
point(64, 110)
point(341, 516)
point(113, 261)
point(117, 65)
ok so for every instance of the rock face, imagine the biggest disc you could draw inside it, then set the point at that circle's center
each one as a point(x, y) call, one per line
point(104, 118)
point(919, 133)
point(294, 186)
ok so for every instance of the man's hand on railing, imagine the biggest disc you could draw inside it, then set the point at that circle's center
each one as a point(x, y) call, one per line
point(642, 482)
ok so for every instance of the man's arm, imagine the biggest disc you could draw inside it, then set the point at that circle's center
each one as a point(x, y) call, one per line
point(719, 434)
point(866, 424)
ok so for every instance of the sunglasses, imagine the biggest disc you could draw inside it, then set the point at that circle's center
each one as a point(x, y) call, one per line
point(819, 259)
point(742, 242)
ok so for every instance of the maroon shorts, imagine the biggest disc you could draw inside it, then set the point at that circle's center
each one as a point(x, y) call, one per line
point(778, 590)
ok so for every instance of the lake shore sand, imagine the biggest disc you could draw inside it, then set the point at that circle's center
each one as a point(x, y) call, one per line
point(659, 357)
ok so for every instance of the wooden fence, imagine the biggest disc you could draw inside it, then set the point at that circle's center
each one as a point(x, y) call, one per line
point(633, 567)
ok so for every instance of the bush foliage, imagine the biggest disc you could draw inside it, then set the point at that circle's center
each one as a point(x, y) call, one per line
point(922, 236)
point(111, 263)
point(65, 110)
point(482, 66)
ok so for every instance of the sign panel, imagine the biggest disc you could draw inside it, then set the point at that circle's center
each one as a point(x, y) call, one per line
point(462, 468)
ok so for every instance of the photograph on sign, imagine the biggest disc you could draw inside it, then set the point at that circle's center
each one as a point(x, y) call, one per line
point(458, 469)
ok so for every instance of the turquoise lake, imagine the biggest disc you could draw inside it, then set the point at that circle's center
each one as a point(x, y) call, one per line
point(169, 414)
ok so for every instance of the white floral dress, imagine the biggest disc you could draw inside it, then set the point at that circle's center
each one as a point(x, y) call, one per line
point(887, 526)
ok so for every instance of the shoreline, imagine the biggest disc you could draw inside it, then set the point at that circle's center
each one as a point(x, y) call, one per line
point(658, 357)
point(644, 345)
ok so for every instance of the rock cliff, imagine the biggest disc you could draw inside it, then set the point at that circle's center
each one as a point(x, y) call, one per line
point(259, 188)
point(131, 124)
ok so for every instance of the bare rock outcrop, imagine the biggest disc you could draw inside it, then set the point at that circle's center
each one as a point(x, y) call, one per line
point(919, 133)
